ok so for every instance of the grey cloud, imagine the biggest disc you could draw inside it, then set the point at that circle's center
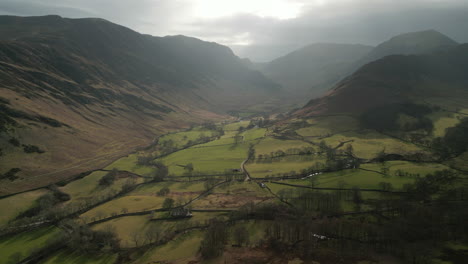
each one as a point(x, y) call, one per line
point(354, 22)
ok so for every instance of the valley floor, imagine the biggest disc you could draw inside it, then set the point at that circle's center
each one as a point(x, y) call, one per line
point(231, 181)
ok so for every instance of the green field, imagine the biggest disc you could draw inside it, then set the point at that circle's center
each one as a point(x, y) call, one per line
point(210, 158)
point(16, 204)
point(176, 188)
point(88, 187)
point(324, 126)
point(65, 257)
point(232, 196)
point(129, 163)
point(252, 134)
point(182, 138)
point(369, 179)
point(368, 145)
point(442, 121)
point(217, 157)
point(282, 165)
point(180, 250)
point(132, 203)
point(269, 144)
point(128, 229)
point(25, 243)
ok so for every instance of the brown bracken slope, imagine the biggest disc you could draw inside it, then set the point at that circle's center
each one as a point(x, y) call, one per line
point(397, 79)
point(86, 91)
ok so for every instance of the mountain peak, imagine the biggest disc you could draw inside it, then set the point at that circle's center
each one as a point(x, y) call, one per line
point(420, 42)
point(426, 37)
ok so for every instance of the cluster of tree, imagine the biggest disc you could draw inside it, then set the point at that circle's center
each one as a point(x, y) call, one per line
point(287, 158)
point(160, 172)
point(163, 192)
point(455, 141)
point(32, 149)
point(145, 160)
point(209, 126)
point(200, 140)
point(259, 122)
point(233, 175)
point(388, 118)
point(210, 183)
point(409, 226)
point(45, 203)
point(79, 237)
point(154, 234)
point(241, 236)
point(10, 175)
point(14, 141)
point(26, 148)
point(339, 159)
point(168, 203)
point(109, 178)
point(285, 134)
point(290, 151)
point(401, 173)
point(214, 240)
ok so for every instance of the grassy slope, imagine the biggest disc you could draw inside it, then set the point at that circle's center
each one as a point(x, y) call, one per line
point(14, 205)
point(64, 257)
point(270, 144)
point(129, 163)
point(282, 165)
point(180, 250)
point(233, 196)
point(181, 138)
point(25, 243)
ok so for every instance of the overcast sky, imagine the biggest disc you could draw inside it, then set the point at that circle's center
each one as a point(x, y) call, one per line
point(264, 29)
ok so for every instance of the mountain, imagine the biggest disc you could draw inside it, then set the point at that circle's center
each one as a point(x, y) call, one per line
point(309, 71)
point(439, 78)
point(410, 43)
point(312, 70)
point(77, 93)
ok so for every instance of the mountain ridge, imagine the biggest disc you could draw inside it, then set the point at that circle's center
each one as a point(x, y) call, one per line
point(111, 89)
point(396, 79)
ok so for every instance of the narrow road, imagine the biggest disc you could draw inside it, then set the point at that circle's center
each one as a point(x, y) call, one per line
point(247, 175)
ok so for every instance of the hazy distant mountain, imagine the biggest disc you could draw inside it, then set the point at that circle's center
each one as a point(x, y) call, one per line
point(262, 53)
point(311, 70)
point(87, 90)
point(438, 77)
point(410, 43)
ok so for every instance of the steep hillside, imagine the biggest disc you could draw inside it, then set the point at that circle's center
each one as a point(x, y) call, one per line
point(422, 42)
point(439, 77)
point(76, 93)
point(309, 71)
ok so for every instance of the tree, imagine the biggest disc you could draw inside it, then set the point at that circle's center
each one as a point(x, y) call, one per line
point(168, 203)
point(357, 198)
point(109, 178)
point(145, 160)
point(385, 186)
point(214, 239)
point(136, 237)
point(349, 150)
point(160, 172)
point(241, 236)
point(163, 192)
point(153, 234)
point(189, 168)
